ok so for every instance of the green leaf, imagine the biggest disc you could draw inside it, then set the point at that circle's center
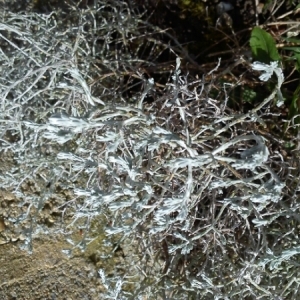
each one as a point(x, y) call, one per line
point(295, 49)
point(294, 107)
point(297, 8)
point(291, 40)
point(263, 46)
point(297, 56)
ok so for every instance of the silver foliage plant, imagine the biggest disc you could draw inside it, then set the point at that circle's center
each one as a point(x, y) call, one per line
point(192, 187)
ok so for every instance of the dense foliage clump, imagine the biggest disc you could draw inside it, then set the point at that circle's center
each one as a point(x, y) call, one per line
point(207, 195)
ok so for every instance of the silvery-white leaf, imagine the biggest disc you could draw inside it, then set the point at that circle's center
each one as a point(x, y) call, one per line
point(156, 229)
point(114, 195)
point(116, 230)
point(113, 206)
point(218, 183)
point(269, 70)
point(169, 205)
point(182, 213)
point(223, 7)
point(261, 198)
point(260, 222)
point(148, 189)
point(255, 160)
point(57, 137)
point(187, 248)
point(69, 156)
point(193, 162)
point(259, 66)
point(81, 192)
point(180, 236)
point(62, 119)
point(109, 136)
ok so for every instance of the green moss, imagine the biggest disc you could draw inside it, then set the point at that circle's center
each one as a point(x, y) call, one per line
point(100, 251)
point(193, 8)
